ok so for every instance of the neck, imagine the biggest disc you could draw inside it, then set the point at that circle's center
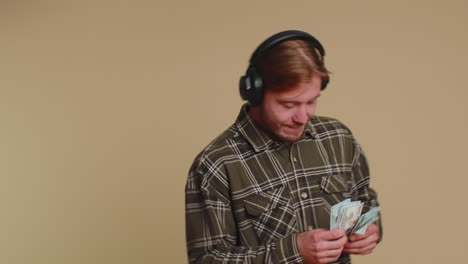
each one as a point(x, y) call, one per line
point(256, 117)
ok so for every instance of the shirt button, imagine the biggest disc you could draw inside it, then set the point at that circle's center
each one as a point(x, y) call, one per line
point(304, 195)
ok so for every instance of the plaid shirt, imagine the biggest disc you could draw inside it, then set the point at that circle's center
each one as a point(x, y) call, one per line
point(247, 196)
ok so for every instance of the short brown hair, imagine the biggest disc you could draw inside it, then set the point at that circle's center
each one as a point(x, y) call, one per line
point(289, 64)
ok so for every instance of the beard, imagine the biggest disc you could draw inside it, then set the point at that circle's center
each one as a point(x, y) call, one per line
point(290, 133)
point(281, 132)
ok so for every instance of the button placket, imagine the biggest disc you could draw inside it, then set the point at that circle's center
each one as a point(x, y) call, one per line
point(300, 195)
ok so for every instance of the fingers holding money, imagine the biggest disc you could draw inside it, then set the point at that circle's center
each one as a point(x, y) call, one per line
point(371, 231)
point(362, 244)
point(360, 250)
point(321, 246)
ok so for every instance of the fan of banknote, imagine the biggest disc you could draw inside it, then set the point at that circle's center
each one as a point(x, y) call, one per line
point(347, 215)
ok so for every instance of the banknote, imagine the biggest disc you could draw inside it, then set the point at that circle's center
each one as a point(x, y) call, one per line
point(347, 215)
point(366, 219)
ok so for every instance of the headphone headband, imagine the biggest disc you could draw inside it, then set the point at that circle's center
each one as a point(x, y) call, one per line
point(285, 36)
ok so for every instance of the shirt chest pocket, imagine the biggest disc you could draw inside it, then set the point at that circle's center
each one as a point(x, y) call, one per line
point(336, 183)
point(270, 214)
point(336, 188)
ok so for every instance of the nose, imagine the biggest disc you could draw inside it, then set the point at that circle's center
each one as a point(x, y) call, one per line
point(301, 116)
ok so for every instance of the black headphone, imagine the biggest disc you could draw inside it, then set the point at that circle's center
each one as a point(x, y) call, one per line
point(251, 84)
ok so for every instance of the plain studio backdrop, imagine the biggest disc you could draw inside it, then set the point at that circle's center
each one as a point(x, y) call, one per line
point(104, 105)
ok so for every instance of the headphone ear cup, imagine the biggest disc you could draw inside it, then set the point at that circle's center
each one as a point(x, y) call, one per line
point(244, 87)
point(257, 84)
point(324, 84)
point(251, 88)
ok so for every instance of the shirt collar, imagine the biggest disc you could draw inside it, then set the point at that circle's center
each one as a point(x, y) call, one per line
point(256, 136)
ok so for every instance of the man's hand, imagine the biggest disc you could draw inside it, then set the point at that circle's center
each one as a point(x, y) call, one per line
point(321, 246)
point(363, 244)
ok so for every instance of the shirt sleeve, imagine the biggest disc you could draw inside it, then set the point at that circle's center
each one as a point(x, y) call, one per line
point(213, 236)
point(361, 189)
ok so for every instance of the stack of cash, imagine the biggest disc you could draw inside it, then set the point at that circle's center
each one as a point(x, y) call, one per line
point(347, 215)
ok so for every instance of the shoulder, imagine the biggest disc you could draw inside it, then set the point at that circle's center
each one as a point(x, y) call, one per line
point(326, 125)
point(208, 166)
point(332, 130)
point(219, 148)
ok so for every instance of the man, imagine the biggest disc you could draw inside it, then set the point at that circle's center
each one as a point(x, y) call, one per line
point(261, 192)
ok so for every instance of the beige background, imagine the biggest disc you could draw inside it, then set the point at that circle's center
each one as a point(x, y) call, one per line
point(104, 104)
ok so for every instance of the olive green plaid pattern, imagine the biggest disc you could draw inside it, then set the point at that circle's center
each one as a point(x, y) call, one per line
point(247, 196)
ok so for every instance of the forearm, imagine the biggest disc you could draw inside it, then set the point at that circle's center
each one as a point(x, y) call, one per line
point(361, 189)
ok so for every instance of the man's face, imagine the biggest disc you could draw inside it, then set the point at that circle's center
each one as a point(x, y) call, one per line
point(284, 114)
